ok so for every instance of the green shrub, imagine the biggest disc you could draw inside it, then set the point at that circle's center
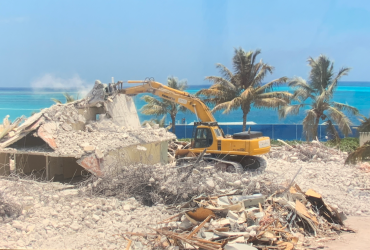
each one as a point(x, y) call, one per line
point(348, 144)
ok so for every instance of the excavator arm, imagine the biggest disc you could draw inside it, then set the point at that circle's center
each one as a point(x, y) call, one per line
point(192, 103)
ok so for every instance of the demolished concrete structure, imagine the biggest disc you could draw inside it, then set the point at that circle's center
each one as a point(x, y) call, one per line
point(66, 139)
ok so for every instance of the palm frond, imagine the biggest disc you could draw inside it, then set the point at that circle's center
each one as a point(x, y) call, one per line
point(221, 106)
point(225, 72)
point(254, 56)
point(246, 93)
point(247, 72)
point(69, 97)
point(345, 107)
point(342, 72)
point(269, 86)
point(228, 106)
point(321, 99)
point(286, 96)
point(221, 81)
point(301, 89)
point(56, 100)
point(260, 71)
point(340, 119)
point(290, 110)
point(154, 106)
point(360, 154)
point(321, 72)
point(154, 121)
point(273, 103)
point(175, 83)
point(365, 124)
point(151, 109)
point(234, 104)
point(209, 92)
point(152, 100)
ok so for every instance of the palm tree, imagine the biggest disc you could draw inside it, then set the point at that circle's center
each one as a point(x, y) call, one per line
point(365, 124)
point(151, 122)
point(243, 88)
point(361, 153)
point(67, 96)
point(319, 91)
point(162, 106)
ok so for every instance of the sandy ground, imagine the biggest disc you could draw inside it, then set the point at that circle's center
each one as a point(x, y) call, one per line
point(353, 241)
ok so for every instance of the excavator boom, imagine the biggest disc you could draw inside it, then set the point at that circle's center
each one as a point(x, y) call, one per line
point(192, 103)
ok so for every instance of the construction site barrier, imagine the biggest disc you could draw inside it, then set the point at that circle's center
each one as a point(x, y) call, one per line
point(274, 131)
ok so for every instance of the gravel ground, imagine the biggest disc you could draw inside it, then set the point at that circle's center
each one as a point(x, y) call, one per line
point(53, 218)
point(340, 184)
point(57, 216)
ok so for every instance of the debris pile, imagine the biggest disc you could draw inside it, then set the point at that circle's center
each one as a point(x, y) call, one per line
point(176, 148)
point(55, 126)
point(55, 216)
point(172, 184)
point(8, 207)
point(90, 133)
point(308, 152)
point(238, 221)
point(100, 210)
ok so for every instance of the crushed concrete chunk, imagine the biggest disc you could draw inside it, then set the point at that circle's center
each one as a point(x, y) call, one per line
point(75, 226)
point(89, 148)
point(89, 128)
point(99, 154)
point(141, 148)
point(81, 119)
point(66, 127)
point(95, 218)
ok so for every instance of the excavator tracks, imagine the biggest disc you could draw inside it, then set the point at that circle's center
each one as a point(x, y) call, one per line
point(246, 162)
point(231, 164)
point(228, 166)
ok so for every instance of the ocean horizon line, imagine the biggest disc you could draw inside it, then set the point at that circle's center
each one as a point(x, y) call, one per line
point(340, 83)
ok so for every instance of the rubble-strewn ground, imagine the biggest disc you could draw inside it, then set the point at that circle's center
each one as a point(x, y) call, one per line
point(59, 216)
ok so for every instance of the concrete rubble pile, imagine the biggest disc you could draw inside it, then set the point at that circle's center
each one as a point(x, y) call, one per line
point(235, 220)
point(345, 186)
point(54, 216)
point(73, 130)
point(314, 151)
point(171, 184)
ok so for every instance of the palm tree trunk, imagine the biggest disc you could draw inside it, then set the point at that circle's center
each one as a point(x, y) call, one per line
point(244, 121)
point(314, 132)
point(173, 124)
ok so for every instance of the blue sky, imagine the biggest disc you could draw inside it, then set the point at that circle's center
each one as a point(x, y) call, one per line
point(72, 43)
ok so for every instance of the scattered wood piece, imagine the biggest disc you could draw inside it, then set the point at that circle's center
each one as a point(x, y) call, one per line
point(129, 245)
point(196, 230)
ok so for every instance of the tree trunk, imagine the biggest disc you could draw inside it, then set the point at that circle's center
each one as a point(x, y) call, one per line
point(173, 124)
point(314, 132)
point(244, 121)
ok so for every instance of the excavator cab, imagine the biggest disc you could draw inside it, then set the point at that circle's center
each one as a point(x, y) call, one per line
point(202, 137)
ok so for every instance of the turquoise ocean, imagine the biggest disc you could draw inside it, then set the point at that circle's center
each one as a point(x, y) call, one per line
point(16, 102)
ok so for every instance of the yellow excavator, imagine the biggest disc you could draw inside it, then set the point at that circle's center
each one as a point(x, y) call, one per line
point(236, 153)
